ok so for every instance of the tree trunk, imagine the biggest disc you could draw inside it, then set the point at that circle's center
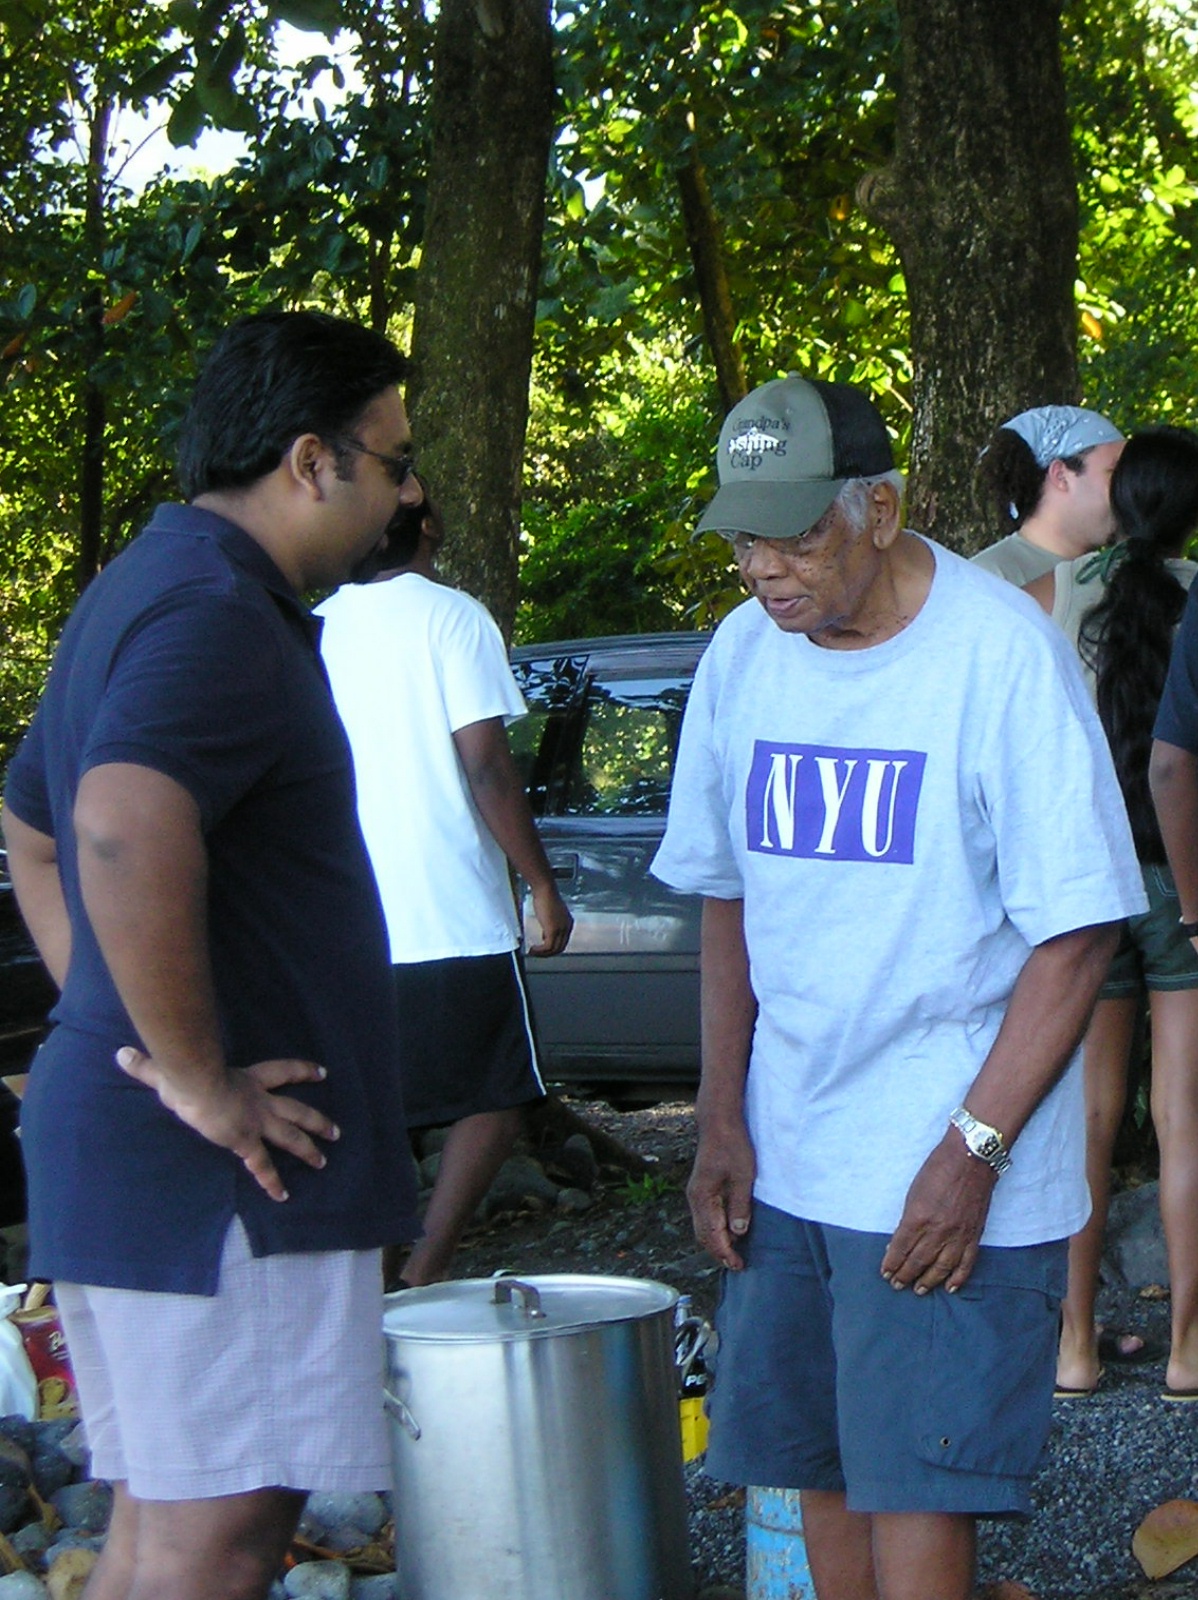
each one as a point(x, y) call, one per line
point(91, 398)
point(705, 244)
point(491, 117)
point(981, 202)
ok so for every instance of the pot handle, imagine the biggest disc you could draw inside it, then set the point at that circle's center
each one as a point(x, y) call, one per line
point(526, 1295)
point(393, 1404)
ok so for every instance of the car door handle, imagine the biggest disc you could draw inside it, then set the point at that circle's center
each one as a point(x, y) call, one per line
point(565, 868)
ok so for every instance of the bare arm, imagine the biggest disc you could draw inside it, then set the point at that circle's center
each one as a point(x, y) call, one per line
point(1043, 591)
point(143, 872)
point(936, 1241)
point(503, 805)
point(720, 1190)
point(1173, 778)
point(33, 867)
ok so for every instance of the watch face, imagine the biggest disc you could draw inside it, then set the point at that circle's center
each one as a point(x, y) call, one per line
point(986, 1145)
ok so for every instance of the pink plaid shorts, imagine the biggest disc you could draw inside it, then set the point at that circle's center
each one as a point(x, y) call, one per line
point(275, 1381)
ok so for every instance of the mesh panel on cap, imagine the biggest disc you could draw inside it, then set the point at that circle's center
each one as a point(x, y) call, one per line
point(860, 442)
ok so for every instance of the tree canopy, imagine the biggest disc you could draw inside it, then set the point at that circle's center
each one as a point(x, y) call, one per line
point(706, 228)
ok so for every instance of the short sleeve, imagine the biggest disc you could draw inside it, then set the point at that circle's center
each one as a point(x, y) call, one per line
point(696, 854)
point(26, 789)
point(472, 667)
point(195, 692)
point(1064, 852)
point(1177, 715)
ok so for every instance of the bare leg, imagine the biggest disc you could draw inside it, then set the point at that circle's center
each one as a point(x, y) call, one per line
point(474, 1152)
point(839, 1547)
point(1106, 1051)
point(181, 1548)
point(1175, 1117)
point(887, 1556)
point(112, 1576)
point(924, 1555)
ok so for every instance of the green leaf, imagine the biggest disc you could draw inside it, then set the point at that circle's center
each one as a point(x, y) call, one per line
point(310, 16)
point(26, 300)
point(186, 119)
point(230, 54)
point(152, 83)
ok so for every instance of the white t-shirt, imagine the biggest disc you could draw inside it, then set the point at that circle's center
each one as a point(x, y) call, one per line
point(411, 662)
point(903, 823)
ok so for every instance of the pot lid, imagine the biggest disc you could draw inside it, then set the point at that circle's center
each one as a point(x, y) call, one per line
point(507, 1307)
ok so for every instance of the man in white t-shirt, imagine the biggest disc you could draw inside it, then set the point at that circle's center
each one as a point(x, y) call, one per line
point(896, 800)
point(422, 682)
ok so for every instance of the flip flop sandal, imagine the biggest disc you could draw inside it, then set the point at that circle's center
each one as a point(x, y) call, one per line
point(1110, 1348)
point(1062, 1393)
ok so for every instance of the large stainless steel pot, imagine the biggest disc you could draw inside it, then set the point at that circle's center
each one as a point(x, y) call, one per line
point(536, 1441)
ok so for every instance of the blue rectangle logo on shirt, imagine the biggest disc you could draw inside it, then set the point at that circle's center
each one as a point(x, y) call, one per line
point(829, 804)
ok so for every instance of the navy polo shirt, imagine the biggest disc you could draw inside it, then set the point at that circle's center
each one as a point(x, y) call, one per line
point(191, 654)
point(1177, 715)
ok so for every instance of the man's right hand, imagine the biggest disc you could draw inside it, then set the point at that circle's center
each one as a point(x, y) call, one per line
point(240, 1112)
point(555, 918)
point(720, 1191)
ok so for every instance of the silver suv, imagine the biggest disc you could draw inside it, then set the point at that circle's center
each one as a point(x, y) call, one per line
point(620, 1009)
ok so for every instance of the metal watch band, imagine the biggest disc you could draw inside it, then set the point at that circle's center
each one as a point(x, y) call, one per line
point(981, 1140)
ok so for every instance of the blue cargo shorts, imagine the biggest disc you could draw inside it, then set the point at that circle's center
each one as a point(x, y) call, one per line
point(827, 1378)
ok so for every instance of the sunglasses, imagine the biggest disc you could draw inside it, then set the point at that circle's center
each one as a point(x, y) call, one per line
point(399, 468)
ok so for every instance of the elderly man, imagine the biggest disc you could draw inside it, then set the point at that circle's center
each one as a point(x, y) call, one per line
point(183, 841)
point(899, 807)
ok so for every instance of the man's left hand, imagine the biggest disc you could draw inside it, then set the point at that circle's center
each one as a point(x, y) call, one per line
point(936, 1241)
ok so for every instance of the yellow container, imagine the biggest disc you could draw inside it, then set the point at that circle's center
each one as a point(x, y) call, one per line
point(693, 1419)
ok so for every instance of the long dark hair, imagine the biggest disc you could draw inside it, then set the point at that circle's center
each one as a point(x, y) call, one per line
point(1127, 636)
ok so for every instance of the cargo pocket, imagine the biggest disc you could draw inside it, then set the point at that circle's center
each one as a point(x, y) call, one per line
point(986, 1390)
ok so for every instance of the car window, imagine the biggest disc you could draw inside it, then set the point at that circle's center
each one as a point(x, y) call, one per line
point(552, 688)
point(624, 760)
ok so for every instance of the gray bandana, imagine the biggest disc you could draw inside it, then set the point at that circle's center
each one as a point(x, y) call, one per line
point(1051, 432)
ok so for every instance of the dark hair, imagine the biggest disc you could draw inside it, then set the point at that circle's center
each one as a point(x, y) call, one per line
point(1127, 636)
point(402, 536)
point(1011, 478)
point(270, 378)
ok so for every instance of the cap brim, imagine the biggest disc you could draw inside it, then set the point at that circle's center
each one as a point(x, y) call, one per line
point(769, 510)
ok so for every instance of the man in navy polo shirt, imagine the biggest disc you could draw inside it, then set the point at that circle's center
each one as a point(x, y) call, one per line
point(211, 1130)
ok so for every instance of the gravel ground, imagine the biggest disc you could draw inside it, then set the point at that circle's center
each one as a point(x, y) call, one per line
point(1110, 1460)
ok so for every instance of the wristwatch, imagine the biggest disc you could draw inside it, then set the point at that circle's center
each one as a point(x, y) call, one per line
point(1190, 929)
point(982, 1140)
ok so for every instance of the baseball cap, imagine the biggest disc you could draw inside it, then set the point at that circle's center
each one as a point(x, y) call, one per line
point(787, 450)
point(1051, 432)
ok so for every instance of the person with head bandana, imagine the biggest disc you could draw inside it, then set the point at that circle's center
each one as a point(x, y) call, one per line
point(1048, 473)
